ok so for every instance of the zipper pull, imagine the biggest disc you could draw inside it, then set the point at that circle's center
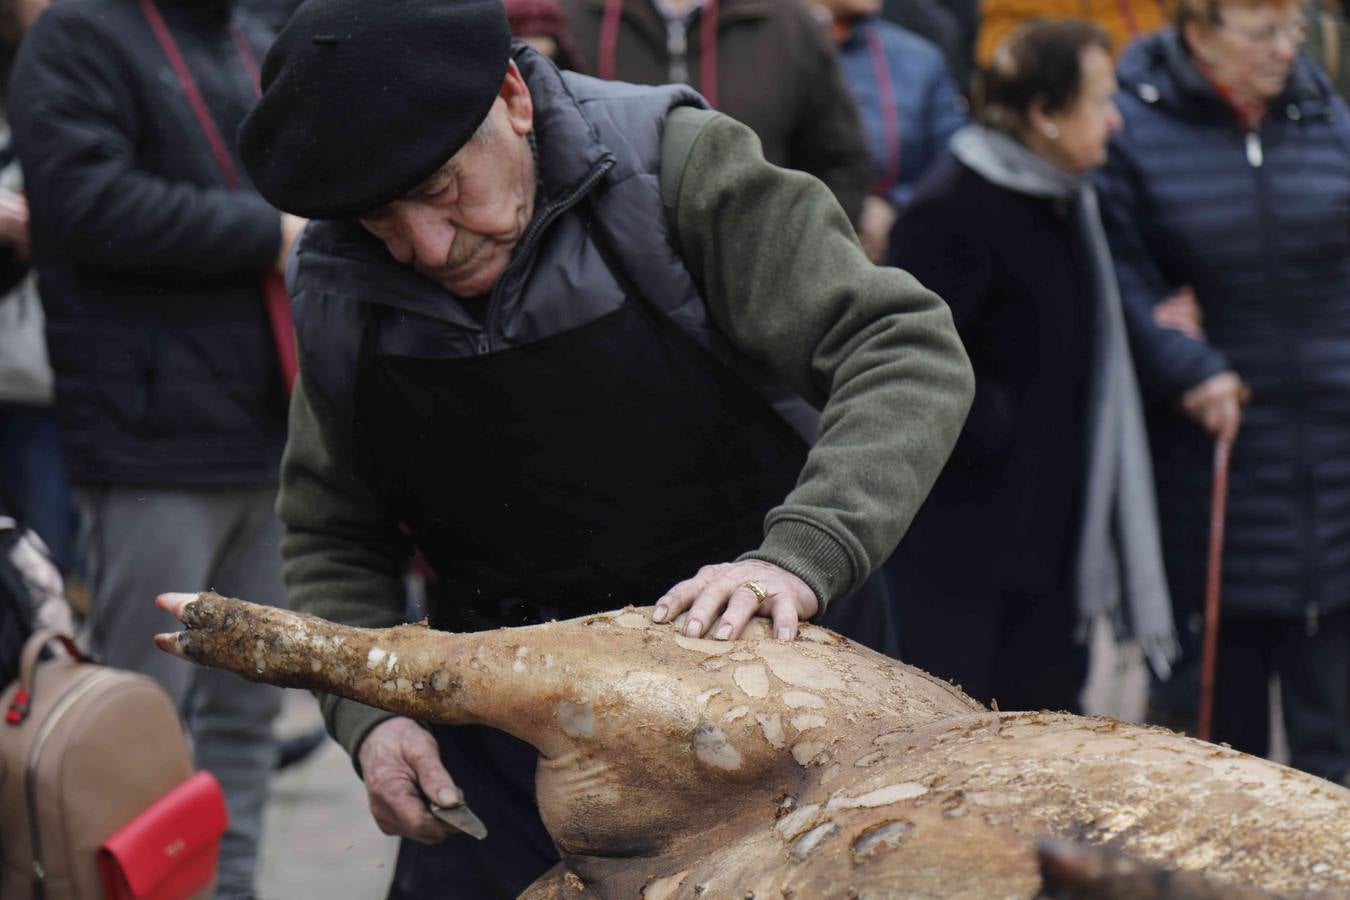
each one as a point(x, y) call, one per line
point(677, 49)
point(1254, 154)
point(1310, 619)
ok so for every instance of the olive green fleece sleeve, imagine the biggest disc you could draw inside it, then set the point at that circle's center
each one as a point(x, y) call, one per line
point(343, 559)
point(784, 278)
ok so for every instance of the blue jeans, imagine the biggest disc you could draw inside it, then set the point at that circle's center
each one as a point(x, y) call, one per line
point(33, 477)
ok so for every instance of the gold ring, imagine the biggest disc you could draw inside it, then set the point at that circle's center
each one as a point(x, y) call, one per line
point(757, 589)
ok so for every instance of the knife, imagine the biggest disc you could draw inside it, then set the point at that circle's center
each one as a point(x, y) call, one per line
point(461, 817)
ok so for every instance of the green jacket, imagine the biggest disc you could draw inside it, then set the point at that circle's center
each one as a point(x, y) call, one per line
point(868, 345)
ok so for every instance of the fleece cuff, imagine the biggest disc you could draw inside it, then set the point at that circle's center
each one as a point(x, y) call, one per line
point(813, 555)
point(349, 722)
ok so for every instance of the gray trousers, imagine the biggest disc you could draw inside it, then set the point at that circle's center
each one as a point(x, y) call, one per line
point(140, 542)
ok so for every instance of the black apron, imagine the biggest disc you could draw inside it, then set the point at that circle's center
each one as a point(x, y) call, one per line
point(592, 469)
point(586, 471)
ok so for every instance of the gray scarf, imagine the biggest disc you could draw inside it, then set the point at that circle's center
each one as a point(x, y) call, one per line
point(1120, 571)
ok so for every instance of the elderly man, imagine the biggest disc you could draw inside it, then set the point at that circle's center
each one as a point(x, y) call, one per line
point(565, 336)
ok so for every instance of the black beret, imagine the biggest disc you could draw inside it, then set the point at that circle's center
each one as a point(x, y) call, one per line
point(363, 100)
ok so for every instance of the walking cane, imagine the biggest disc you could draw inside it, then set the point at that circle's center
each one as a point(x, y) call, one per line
point(1223, 448)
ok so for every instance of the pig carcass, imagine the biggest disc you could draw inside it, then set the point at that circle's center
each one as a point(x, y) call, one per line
point(679, 767)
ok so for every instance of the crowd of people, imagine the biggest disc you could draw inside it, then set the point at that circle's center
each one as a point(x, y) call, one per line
point(921, 319)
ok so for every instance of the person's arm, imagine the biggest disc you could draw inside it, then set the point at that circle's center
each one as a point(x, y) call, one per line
point(1169, 361)
point(827, 138)
point(344, 558)
point(1175, 365)
point(75, 125)
point(869, 345)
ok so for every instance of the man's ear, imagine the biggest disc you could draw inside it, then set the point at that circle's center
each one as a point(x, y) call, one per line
point(519, 104)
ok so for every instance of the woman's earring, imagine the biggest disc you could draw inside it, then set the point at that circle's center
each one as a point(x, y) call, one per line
point(1050, 130)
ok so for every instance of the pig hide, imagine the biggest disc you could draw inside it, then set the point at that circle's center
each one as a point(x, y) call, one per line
point(678, 767)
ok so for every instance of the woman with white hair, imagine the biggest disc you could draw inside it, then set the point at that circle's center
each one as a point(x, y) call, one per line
point(1227, 199)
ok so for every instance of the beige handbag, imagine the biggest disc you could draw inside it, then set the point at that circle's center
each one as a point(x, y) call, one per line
point(83, 750)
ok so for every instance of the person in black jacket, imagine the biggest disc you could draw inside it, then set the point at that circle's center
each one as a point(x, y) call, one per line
point(1227, 194)
point(168, 386)
point(1043, 518)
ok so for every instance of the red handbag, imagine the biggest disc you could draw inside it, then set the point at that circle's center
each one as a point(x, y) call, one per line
point(169, 851)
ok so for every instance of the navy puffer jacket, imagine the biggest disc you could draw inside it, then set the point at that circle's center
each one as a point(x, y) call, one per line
point(1259, 224)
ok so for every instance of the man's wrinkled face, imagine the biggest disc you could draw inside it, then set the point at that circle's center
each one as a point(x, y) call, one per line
point(460, 226)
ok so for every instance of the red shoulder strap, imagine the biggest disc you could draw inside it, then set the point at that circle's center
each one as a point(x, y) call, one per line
point(274, 291)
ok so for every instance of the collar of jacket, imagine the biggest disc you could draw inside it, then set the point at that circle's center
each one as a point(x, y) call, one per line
point(1158, 70)
point(569, 152)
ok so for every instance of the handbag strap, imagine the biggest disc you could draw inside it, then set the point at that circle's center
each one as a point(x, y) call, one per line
point(32, 649)
point(274, 290)
point(189, 84)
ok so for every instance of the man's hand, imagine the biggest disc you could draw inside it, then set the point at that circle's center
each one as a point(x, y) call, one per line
point(397, 758)
point(291, 226)
point(725, 590)
point(1181, 312)
point(1215, 404)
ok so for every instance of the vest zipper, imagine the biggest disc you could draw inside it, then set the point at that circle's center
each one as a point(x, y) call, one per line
point(30, 773)
point(1255, 155)
point(526, 246)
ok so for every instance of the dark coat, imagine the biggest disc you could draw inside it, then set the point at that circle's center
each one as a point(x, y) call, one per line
point(1259, 225)
point(1004, 512)
point(148, 264)
point(777, 73)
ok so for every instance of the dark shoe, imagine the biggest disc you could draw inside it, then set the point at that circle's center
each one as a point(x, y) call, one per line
point(297, 749)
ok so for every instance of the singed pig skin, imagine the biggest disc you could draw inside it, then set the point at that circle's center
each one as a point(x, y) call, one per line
point(677, 767)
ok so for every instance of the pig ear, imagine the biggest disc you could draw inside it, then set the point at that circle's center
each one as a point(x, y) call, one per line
point(1067, 869)
point(1072, 871)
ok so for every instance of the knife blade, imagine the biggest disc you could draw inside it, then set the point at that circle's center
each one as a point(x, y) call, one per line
point(461, 817)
